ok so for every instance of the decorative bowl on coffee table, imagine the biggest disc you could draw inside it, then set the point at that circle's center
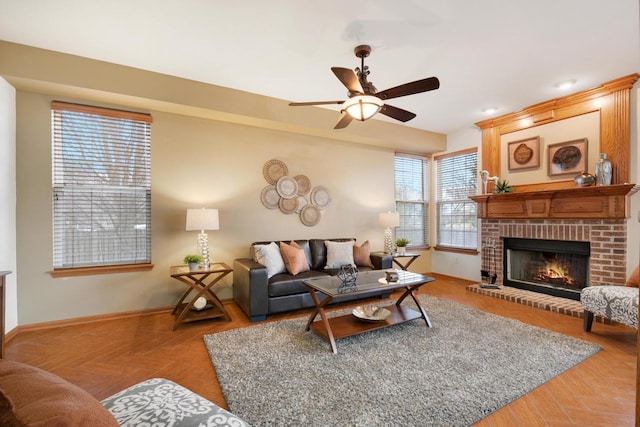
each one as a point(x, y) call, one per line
point(371, 313)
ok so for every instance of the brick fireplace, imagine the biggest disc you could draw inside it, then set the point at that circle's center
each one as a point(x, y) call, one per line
point(608, 237)
point(597, 215)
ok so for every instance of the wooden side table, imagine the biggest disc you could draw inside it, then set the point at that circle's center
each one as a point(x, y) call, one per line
point(404, 264)
point(200, 281)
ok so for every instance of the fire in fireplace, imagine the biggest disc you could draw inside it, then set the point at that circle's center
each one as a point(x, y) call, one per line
point(553, 267)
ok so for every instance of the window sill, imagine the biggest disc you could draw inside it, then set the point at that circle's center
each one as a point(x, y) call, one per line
point(91, 271)
point(457, 250)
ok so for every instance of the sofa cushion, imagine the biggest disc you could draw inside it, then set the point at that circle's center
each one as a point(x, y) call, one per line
point(339, 253)
point(287, 284)
point(294, 258)
point(34, 397)
point(634, 279)
point(269, 256)
point(362, 255)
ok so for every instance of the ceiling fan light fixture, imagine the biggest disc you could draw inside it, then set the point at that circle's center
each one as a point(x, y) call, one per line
point(362, 107)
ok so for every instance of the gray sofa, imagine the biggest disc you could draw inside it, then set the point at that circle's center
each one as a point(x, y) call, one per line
point(259, 295)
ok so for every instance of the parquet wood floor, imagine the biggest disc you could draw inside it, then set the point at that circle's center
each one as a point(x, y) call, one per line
point(106, 356)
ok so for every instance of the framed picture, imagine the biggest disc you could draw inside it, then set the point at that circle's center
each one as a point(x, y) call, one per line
point(524, 154)
point(568, 157)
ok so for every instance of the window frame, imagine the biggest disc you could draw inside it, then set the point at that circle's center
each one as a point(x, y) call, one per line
point(424, 203)
point(111, 122)
point(465, 200)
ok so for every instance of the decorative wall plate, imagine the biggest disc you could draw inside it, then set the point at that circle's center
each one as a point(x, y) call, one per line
point(302, 202)
point(304, 184)
point(269, 197)
point(288, 206)
point(287, 187)
point(273, 170)
point(320, 197)
point(310, 215)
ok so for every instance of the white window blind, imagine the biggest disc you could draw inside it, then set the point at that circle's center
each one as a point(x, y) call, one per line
point(412, 198)
point(457, 179)
point(101, 186)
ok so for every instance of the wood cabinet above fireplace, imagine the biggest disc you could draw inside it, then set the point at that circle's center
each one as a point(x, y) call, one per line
point(601, 202)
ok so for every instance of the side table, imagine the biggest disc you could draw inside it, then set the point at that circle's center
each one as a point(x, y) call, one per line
point(404, 264)
point(200, 281)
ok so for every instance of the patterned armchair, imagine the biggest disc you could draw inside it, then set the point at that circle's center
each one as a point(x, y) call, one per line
point(160, 402)
point(618, 303)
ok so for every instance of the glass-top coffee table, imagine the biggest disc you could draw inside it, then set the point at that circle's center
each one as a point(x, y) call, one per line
point(333, 289)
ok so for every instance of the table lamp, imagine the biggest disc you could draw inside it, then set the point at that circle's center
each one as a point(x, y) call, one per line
point(389, 220)
point(203, 219)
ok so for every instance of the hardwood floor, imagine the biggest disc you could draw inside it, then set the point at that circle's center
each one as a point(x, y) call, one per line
point(106, 356)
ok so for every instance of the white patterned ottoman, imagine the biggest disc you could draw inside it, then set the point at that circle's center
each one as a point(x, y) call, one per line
point(618, 303)
point(160, 402)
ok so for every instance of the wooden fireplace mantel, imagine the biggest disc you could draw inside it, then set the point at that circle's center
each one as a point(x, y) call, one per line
point(597, 202)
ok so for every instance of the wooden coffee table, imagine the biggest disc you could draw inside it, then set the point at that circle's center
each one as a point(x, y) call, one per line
point(367, 282)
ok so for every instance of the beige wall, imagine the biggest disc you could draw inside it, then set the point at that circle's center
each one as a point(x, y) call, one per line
point(8, 200)
point(583, 126)
point(195, 162)
point(209, 145)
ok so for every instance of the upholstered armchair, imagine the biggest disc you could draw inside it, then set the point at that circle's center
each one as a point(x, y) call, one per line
point(617, 303)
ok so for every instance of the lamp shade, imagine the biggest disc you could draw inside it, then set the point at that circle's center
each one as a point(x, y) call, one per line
point(362, 107)
point(202, 219)
point(389, 219)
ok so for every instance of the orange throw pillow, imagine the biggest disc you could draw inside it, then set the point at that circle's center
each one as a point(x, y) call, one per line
point(294, 258)
point(634, 279)
point(362, 255)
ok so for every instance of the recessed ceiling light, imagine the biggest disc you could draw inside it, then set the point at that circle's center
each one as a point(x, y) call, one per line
point(490, 110)
point(565, 84)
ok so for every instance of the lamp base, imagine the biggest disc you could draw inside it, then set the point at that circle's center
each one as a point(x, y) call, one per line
point(388, 244)
point(203, 250)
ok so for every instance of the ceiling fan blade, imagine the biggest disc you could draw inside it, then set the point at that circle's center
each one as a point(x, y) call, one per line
point(396, 113)
point(348, 78)
point(297, 104)
point(344, 121)
point(418, 86)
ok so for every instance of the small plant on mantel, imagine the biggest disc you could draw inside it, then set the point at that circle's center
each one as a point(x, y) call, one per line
point(503, 187)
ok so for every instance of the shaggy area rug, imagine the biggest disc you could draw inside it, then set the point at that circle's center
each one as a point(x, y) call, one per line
point(469, 364)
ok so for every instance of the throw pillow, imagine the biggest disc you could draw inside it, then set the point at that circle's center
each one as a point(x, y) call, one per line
point(339, 253)
point(634, 279)
point(294, 258)
point(269, 256)
point(34, 397)
point(362, 255)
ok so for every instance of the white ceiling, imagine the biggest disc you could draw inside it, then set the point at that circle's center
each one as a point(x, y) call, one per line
point(507, 54)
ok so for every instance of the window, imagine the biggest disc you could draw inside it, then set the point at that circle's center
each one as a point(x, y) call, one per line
point(101, 186)
point(457, 179)
point(412, 198)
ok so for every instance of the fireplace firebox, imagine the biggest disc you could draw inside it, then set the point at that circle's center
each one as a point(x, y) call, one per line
point(553, 267)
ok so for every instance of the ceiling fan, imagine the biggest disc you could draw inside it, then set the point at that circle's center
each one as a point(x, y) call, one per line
point(365, 100)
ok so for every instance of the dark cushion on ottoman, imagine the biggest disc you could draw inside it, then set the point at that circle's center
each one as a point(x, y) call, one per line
point(33, 397)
